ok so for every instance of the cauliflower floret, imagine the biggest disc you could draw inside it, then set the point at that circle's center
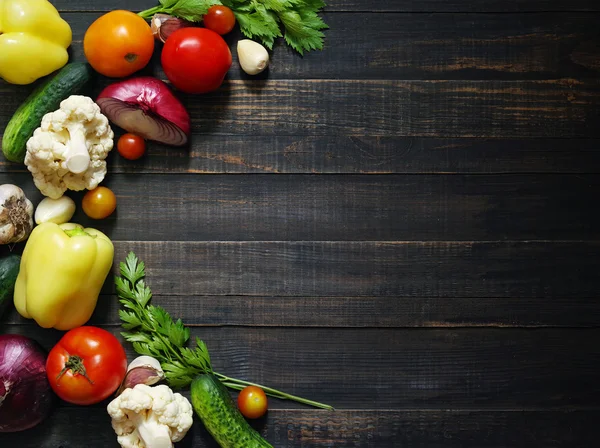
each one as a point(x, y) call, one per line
point(150, 417)
point(69, 149)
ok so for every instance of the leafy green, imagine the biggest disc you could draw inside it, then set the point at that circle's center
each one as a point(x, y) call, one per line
point(153, 332)
point(191, 10)
point(298, 21)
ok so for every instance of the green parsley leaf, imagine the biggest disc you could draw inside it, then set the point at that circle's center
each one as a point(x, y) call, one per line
point(261, 24)
point(264, 20)
point(137, 337)
point(131, 269)
point(192, 10)
point(130, 320)
point(302, 30)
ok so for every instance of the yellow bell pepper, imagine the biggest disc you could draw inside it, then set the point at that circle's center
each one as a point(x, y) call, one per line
point(33, 40)
point(63, 268)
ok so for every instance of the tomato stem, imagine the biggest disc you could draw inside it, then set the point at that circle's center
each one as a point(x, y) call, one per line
point(75, 365)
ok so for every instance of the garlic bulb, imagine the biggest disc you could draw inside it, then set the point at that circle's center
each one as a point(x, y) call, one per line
point(58, 211)
point(16, 214)
point(253, 57)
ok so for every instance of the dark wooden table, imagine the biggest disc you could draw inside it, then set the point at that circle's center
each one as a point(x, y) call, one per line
point(404, 225)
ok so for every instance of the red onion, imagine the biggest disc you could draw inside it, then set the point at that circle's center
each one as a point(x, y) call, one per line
point(25, 394)
point(145, 106)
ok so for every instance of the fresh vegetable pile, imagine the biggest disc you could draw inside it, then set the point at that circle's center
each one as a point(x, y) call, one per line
point(63, 137)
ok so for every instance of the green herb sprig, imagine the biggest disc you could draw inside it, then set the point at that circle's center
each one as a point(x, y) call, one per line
point(153, 332)
point(298, 21)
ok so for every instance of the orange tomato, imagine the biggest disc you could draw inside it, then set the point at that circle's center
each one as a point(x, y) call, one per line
point(99, 203)
point(252, 402)
point(118, 44)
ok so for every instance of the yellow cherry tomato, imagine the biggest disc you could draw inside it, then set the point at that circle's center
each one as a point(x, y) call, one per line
point(99, 203)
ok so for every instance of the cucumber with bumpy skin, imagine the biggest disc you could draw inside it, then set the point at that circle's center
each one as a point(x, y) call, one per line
point(70, 80)
point(9, 270)
point(218, 412)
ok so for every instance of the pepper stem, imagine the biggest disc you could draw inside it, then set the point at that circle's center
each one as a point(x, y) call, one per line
point(75, 365)
point(77, 231)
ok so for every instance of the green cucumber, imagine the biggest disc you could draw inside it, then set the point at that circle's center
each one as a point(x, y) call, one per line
point(9, 269)
point(218, 412)
point(70, 80)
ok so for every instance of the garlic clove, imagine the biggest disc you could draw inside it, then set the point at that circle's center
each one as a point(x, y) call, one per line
point(147, 361)
point(58, 211)
point(156, 22)
point(163, 25)
point(253, 57)
point(142, 370)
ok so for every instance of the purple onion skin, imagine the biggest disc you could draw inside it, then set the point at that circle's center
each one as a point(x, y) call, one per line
point(25, 394)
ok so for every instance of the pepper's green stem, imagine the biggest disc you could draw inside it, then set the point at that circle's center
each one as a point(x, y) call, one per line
point(78, 232)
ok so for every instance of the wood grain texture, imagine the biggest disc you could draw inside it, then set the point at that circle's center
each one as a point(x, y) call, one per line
point(438, 286)
point(216, 154)
point(540, 269)
point(426, 46)
point(359, 312)
point(369, 368)
point(342, 428)
point(498, 6)
point(344, 208)
point(556, 108)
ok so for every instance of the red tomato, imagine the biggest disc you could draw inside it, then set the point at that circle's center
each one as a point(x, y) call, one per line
point(196, 59)
point(252, 402)
point(131, 146)
point(220, 19)
point(86, 366)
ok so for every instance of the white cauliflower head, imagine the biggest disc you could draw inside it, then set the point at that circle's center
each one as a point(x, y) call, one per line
point(150, 417)
point(69, 149)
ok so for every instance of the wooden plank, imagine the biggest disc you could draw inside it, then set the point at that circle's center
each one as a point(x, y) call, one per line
point(215, 154)
point(359, 312)
point(500, 6)
point(345, 207)
point(405, 368)
point(428, 46)
point(564, 108)
point(347, 428)
point(368, 269)
point(556, 108)
point(540, 269)
point(496, 6)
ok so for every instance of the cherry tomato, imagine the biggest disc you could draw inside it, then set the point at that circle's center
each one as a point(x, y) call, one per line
point(118, 44)
point(220, 19)
point(196, 59)
point(131, 146)
point(252, 402)
point(99, 203)
point(86, 366)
